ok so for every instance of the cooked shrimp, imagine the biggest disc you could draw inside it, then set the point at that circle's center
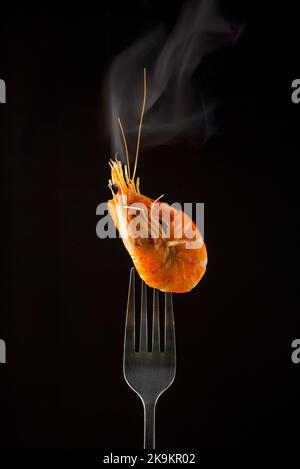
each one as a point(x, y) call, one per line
point(164, 243)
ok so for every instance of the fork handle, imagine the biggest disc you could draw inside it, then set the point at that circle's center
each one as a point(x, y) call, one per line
point(149, 425)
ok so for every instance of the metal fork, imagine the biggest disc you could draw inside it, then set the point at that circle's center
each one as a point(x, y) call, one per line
point(149, 373)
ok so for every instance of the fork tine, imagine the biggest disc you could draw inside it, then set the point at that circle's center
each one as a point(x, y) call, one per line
point(169, 324)
point(155, 322)
point(129, 340)
point(143, 323)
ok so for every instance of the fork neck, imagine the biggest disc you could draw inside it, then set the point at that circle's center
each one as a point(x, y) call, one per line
point(149, 425)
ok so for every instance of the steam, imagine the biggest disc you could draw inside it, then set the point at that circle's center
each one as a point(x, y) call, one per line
point(174, 107)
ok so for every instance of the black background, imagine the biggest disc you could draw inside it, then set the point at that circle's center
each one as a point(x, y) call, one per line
point(64, 290)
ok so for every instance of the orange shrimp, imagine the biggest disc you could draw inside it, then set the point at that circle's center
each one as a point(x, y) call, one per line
point(164, 243)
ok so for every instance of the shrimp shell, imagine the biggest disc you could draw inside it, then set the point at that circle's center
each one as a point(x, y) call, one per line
point(164, 260)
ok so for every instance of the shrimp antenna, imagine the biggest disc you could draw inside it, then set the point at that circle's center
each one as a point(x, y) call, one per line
point(140, 125)
point(125, 145)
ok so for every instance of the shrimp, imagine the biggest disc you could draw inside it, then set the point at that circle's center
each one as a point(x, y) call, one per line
point(164, 243)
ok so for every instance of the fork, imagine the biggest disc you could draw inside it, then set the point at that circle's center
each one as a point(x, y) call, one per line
point(149, 373)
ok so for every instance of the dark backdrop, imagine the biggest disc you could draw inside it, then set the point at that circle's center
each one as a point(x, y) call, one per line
point(64, 290)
